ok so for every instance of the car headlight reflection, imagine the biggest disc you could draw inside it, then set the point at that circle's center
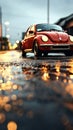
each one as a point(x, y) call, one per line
point(44, 38)
point(71, 38)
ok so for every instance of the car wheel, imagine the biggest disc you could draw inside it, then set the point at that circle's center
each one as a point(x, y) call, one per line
point(45, 54)
point(37, 52)
point(23, 53)
point(69, 53)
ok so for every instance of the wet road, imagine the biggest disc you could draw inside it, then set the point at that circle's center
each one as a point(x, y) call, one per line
point(36, 94)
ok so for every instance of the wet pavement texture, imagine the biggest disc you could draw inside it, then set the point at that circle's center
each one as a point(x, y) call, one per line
point(36, 94)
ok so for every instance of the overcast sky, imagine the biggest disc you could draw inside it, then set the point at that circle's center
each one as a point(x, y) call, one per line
point(22, 13)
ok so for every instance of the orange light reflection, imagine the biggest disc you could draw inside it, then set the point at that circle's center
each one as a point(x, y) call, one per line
point(57, 67)
point(12, 125)
point(70, 69)
point(69, 89)
point(45, 75)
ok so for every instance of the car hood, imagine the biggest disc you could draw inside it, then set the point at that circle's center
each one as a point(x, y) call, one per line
point(57, 36)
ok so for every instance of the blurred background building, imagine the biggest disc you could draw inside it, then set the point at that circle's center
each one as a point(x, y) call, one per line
point(4, 43)
point(66, 23)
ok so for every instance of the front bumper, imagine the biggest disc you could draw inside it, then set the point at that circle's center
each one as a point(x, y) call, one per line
point(57, 46)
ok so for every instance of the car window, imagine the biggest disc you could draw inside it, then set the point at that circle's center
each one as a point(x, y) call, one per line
point(48, 27)
point(32, 28)
point(55, 28)
point(26, 33)
point(42, 27)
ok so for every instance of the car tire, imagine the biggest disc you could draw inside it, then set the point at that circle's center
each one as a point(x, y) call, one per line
point(36, 50)
point(45, 54)
point(70, 53)
point(23, 53)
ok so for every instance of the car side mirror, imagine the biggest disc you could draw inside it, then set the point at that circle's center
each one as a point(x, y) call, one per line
point(65, 31)
point(31, 32)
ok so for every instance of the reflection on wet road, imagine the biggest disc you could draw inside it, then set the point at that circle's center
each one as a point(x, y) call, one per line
point(36, 94)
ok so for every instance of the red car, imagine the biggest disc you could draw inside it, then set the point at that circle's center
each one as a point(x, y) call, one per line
point(45, 38)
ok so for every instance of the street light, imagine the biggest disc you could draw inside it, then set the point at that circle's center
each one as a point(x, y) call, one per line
point(48, 11)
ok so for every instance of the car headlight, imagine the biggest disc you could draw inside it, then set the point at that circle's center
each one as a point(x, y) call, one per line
point(44, 38)
point(71, 38)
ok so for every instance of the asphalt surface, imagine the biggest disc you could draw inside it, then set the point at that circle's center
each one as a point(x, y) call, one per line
point(36, 94)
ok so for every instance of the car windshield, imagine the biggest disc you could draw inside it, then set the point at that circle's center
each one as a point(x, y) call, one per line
point(48, 27)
